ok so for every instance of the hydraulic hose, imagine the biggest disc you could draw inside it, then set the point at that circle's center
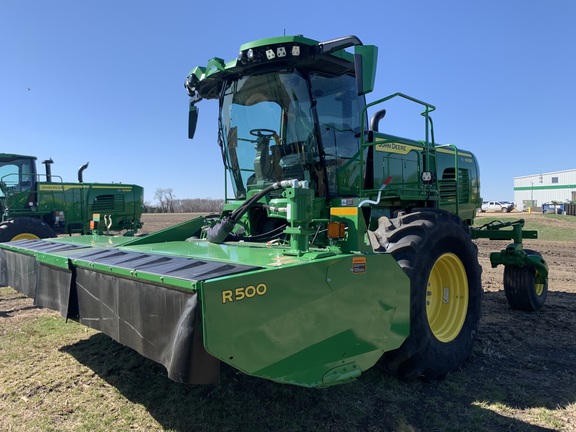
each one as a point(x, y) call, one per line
point(367, 201)
point(218, 233)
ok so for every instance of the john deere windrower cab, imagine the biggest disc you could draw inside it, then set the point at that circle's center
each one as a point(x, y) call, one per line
point(341, 246)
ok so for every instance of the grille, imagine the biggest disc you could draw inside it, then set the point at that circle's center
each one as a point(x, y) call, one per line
point(108, 203)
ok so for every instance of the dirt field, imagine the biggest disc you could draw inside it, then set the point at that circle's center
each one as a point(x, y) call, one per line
point(533, 351)
point(526, 360)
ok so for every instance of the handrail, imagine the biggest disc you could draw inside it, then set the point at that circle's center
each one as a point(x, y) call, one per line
point(425, 113)
point(429, 132)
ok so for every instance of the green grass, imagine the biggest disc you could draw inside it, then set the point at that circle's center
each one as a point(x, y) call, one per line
point(65, 377)
point(550, 227)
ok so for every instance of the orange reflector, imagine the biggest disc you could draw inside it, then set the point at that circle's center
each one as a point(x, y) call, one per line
point(336, 230)
point(94, 221)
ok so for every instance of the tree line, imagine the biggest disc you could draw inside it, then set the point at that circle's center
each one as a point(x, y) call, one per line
point(166, 202)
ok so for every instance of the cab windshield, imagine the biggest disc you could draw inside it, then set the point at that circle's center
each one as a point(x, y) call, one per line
point(284, 126)
point(267, 130)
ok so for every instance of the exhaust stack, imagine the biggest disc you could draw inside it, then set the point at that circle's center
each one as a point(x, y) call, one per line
point(80, 171)
point(47, 164)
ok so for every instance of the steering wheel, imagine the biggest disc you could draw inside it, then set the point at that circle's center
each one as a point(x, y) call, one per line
point(263, 133)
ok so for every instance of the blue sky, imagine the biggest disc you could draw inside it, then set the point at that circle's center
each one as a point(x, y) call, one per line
point(102, 82)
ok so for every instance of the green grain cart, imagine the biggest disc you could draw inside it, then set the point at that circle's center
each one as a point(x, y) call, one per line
point(342, 245)
point(36, 205)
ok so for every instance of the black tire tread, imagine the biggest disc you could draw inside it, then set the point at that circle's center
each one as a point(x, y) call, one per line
point(520, 286)
point(409, 238)
point(13, 227)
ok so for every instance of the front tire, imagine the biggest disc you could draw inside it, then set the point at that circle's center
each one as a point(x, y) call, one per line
point(435, 250)
point(24, 228)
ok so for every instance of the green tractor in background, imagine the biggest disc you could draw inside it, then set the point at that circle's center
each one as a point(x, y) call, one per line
point(340, 247)
point(36, 206)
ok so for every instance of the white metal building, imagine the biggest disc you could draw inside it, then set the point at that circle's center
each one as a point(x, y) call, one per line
point(543, 188)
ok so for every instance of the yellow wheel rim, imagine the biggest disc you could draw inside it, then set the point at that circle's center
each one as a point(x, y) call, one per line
point(447, 297)
point(25, 236)
point(538, 286)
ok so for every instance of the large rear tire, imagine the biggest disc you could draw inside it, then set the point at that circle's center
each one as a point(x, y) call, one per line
point(24, 228)
point(520, 287)
point(435, 250)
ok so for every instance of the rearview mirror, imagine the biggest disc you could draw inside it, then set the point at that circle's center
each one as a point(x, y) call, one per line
point(365, 59)
point(192, 120)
